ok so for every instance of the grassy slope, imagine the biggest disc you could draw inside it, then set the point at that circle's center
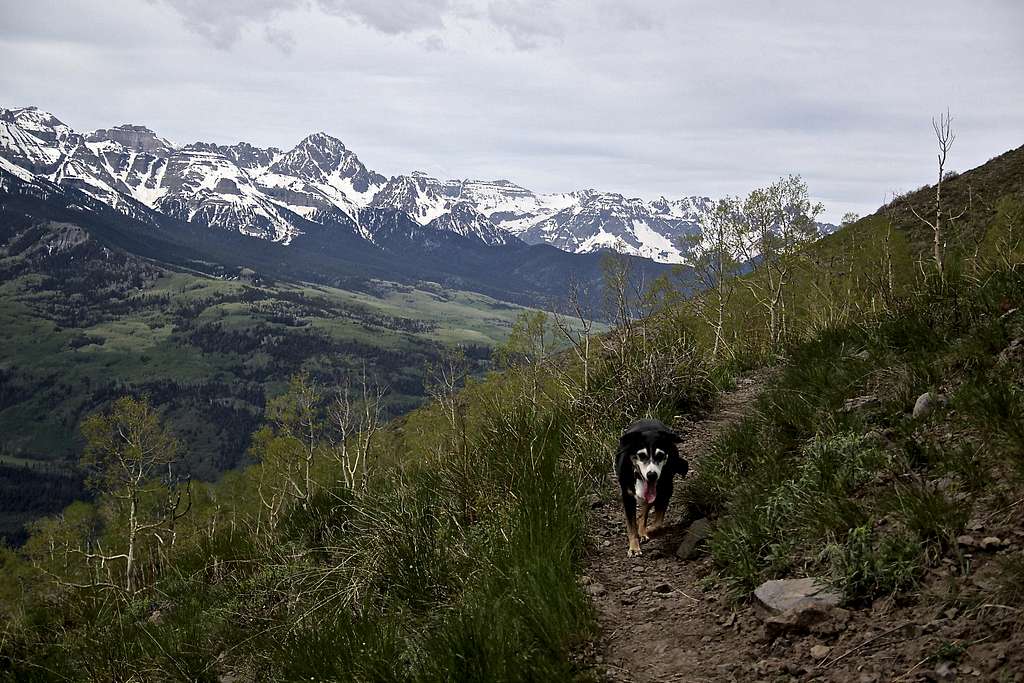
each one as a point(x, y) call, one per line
point(457, 561)
point(869, 495)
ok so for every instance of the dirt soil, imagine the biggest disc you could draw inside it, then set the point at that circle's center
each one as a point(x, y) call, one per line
point(661, 619)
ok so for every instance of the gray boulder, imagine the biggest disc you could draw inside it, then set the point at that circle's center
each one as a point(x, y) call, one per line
point(789, 595)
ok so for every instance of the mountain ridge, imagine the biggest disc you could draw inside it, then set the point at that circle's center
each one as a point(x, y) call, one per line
point(257, 191)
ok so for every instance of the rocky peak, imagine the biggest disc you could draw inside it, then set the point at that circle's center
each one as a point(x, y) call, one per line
point(33, 119)
point(243, 154)
point(319, 156)
point(138, 138)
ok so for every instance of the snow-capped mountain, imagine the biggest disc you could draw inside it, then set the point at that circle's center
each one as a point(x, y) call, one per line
point(274, 194)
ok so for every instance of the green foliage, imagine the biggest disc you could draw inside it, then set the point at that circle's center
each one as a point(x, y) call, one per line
point(126, 446)
point(870, 563)
point(798, 489)
point(208, 353)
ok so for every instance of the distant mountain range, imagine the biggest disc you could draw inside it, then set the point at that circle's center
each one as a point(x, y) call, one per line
point(271, 194)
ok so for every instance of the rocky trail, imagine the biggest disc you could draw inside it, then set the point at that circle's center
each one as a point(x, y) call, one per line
point(657, 623)
point(661, 619)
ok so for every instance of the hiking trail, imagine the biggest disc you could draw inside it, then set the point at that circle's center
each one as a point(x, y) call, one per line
point(656, 622)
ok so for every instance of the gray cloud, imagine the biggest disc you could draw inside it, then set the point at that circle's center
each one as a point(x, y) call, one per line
point(284, 41)
point(221, 22)
point(391, 16)
point(526, 23)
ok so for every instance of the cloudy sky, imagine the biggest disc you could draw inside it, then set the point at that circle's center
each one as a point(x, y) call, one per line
point(644, 97)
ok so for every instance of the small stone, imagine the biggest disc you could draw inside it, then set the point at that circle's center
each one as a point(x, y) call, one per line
point(695, 536)
point(639, 569)
point(663, 587)
point(633, 590)
point(820, 651)
point(951, 613)
point(606, 543)
point(926, 403)
point(863, 355)
point(595, 589)
point(875, 436)
point(798, 620)
point(992, 542)
point(837, 621)
point(967, 540)
point(1014, 353)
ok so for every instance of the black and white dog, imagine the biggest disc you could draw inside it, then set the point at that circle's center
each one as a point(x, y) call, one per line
point(646, 462)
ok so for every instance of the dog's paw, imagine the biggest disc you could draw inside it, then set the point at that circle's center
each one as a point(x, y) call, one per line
point(634, 552)
point(644, 539)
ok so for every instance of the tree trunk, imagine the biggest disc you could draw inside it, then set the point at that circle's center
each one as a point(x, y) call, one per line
point(129, 570)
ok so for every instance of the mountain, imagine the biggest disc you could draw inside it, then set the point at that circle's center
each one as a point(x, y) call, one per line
point(271, 194)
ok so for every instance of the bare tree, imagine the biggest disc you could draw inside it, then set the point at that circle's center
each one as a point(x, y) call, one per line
point(443, 381)
point(288, 444)
point(944, 137)
point(623, 299)
point(529, 347)
point(129, 456)
point(578, 334)
point(713, 253)
point(355, 422)
point(778, 220)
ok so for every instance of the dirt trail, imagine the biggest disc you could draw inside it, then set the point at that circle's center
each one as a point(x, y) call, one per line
point(660, 621)
point(657, 623)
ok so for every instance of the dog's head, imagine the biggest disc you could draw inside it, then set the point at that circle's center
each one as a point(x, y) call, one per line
point(649, 445)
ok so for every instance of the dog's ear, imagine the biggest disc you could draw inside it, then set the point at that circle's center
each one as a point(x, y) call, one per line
point(680, 467)
point(671, 436)
point(629, 440)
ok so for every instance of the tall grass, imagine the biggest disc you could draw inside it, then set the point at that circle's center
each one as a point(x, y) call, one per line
point(457, 560)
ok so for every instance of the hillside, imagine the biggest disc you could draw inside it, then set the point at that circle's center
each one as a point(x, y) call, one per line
point(451, 542)
point(84, 323)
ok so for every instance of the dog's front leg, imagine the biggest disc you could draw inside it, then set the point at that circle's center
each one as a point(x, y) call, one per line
point(657, 519)
point(641, 521)
point(629, 509)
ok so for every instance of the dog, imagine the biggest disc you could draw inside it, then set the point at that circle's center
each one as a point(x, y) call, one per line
point(646, 462)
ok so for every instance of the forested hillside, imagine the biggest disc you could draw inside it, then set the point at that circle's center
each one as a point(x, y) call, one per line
point(85, 324)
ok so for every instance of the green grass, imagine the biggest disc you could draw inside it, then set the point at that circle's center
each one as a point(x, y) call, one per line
point(870, 497)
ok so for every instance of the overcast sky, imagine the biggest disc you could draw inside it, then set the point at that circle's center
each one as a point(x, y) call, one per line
point(646, 98)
